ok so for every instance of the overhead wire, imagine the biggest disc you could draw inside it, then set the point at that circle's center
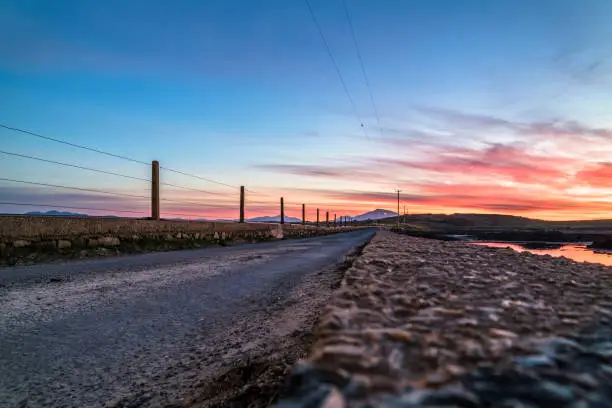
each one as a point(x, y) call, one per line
point(71, 207)
point(197, 177)
point(361, 64)
point(103, 171)
point(104, 153)
point(188, 188)
point(72, 188)
point(335, 64)
point(91, 149)
point(73, 166)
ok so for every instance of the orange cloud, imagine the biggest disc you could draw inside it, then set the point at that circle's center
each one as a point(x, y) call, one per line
point(599, 175)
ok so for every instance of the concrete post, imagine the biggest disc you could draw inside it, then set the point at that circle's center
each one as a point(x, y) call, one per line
point(155, 190)
point(317, 217)
point(241, 203)
point(327, 218)
point(282, 215)
point(303, 214)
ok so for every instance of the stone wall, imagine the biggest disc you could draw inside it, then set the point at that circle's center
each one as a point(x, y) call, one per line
point(31, 239)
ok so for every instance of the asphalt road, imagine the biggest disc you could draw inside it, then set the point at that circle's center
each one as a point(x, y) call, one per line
point(93, 333)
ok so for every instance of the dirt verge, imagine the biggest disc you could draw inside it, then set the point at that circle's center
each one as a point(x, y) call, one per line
point(255, 378)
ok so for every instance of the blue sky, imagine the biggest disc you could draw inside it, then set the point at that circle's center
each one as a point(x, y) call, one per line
point(244, 92)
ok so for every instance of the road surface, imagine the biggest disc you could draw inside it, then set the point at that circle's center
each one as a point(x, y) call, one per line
point(146, 330)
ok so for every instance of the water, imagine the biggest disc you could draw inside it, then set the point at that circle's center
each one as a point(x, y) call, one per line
point(576, 252)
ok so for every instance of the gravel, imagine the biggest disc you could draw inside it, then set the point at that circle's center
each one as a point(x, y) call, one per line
point(423, 323)
point(163, 329)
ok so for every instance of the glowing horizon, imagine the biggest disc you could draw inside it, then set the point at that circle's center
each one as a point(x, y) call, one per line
point(476, 116)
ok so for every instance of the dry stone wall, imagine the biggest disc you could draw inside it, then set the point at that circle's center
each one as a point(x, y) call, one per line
point(31, 239)
point(424, 323)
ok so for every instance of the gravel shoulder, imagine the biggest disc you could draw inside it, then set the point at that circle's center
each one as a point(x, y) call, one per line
point(420, 323)
point(205, 327)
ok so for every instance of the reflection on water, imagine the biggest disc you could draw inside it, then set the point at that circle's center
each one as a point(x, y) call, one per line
point(577, 252)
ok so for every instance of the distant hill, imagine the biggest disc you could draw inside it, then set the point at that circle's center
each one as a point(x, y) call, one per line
point(57, 213)
point(276, 218)
point(377, 214)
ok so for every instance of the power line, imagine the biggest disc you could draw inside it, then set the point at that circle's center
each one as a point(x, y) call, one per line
point(333, 60)
point(102, 171)
point(363, 70)
point(107, 154)
point(188, 188)
point(91, 149)
point(198, 177)
point(72, 188)
point(73, 165)
point(70, 207)
point(208, 204)
point(209, 180)
point(257, 193)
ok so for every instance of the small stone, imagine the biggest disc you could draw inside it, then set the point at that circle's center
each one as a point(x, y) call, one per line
point(20, 243)
point(108, 241)
point(453, 369)
point(101, 251)
point(606, 369)
point(397, 334)
point(63, 244)
point(551, 392)
point(536, 360)
point(333, 400)
point(467, 322)
point(437, 379)
point(551, 346)
point(452, 397)
point(513, 403)
point(603, 349)
point(585, 380)
point(502, 333)
point(569, 321)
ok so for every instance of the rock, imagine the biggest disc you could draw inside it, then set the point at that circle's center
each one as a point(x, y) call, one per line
point(552, 346)
point(550, 393)
point(537, 360)
point(20, 243)
point(603, 349)
point(452, 397)
point(108, 241)
point(63, 244)
point(602, 242)
point(502, 333)
point(333, 400)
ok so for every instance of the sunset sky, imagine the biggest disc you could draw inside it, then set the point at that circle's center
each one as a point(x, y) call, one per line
point(483, 105)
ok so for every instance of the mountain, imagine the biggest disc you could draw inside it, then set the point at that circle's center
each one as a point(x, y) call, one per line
point(276, 218)
point(377, 214)
point(57, 213)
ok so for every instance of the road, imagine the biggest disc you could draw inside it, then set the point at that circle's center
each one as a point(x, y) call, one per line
point(146, 330)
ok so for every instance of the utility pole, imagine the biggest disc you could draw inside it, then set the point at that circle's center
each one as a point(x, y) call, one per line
point(303, 214)
point(398, 207)
point(155, 190)
point(404, 213)
point(241, 203)
point(317, 217)
point(282, 214)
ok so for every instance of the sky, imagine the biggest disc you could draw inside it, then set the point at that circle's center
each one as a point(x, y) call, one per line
point(484, 106)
